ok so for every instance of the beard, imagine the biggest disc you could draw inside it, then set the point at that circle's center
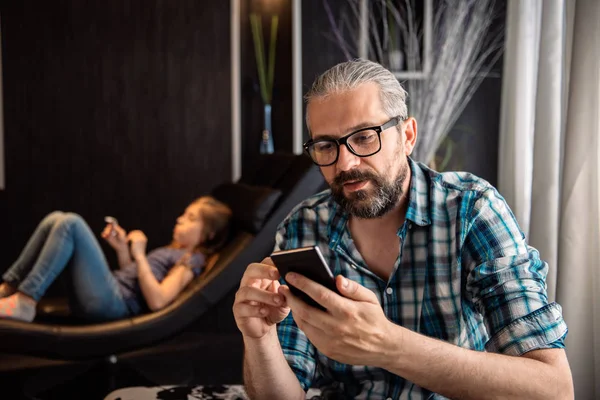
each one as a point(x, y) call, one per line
point(373, 203)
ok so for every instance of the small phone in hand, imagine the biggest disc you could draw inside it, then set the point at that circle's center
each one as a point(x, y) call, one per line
point(306, 261)
point(112, 221)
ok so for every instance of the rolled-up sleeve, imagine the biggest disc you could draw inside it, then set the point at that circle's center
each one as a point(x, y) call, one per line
point(506, 281)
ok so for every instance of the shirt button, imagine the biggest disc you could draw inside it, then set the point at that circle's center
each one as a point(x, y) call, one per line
point(389, 290)
point(389, 398)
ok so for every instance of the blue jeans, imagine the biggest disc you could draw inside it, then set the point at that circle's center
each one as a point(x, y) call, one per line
point(65, 240)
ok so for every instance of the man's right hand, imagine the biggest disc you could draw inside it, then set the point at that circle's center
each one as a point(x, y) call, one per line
point(258, 306)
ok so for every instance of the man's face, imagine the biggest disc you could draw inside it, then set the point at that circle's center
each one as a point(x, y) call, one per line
point(366, 187)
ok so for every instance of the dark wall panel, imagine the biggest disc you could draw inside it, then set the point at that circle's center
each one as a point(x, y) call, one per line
point(116, 107)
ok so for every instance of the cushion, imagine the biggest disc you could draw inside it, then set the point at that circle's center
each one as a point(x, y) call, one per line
point(251, 205)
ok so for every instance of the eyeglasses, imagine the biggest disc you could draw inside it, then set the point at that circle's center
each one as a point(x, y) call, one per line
point(362, 143)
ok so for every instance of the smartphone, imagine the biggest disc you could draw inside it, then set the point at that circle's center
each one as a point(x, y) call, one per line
point(309, 262)
point(113, 221)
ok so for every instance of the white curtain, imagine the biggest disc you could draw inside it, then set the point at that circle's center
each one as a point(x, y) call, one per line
point(549, 164)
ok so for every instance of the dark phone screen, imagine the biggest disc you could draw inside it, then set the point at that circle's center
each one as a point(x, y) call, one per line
point(309, 262)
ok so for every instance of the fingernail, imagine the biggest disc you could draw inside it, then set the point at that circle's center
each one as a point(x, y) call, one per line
point(263, 311)
point(344, 282)
point(273, 274)
point(291, 277)
point(277, 299)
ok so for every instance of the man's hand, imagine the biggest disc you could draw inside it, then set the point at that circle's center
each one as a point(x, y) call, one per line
point(138, 243)
point(258, 306)
point(353, 330)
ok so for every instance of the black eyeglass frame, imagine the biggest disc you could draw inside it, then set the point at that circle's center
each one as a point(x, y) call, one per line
point(344, 140)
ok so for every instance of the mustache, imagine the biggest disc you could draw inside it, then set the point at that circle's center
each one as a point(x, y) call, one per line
point(354, 175)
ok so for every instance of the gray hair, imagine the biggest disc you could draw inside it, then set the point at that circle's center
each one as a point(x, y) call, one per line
point(351, 74)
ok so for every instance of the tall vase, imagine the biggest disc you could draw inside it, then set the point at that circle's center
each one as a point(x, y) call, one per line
point(266, 142)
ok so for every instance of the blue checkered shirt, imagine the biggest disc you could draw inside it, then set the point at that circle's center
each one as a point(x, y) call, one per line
point(464, 275)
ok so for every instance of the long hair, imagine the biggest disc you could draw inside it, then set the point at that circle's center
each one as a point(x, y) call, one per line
point(216, 218)
point(216, 223)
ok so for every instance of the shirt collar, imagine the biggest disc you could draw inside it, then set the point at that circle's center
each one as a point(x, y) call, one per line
point(338, 218)
point(418, 202)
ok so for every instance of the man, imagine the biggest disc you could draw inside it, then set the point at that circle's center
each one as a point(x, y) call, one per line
point(440, 294)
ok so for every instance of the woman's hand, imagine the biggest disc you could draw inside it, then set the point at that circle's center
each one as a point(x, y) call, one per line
point(115, 236)
point(138, 243)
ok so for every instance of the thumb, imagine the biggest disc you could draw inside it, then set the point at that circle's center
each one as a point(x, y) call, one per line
point(352, 290)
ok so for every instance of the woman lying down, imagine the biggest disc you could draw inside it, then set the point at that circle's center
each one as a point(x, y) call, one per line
point(64, 242)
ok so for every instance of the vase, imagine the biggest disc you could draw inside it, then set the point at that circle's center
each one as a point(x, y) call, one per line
point(266, 141)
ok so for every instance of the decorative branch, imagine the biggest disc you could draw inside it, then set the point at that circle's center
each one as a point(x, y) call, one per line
point(336, 31)
point(266, 74)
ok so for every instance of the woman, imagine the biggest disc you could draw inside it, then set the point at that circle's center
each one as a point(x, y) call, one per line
point(142, 282)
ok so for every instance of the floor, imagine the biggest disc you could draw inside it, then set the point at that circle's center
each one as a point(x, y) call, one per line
point(186, 361)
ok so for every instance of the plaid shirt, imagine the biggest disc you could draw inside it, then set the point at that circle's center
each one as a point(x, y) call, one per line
point(464, 275)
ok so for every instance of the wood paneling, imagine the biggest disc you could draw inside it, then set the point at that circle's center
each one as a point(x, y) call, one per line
point(115, 107)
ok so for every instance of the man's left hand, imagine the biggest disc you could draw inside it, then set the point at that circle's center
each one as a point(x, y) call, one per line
point(354, 330)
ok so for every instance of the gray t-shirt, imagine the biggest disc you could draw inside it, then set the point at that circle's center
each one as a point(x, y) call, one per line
point(161, 261)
